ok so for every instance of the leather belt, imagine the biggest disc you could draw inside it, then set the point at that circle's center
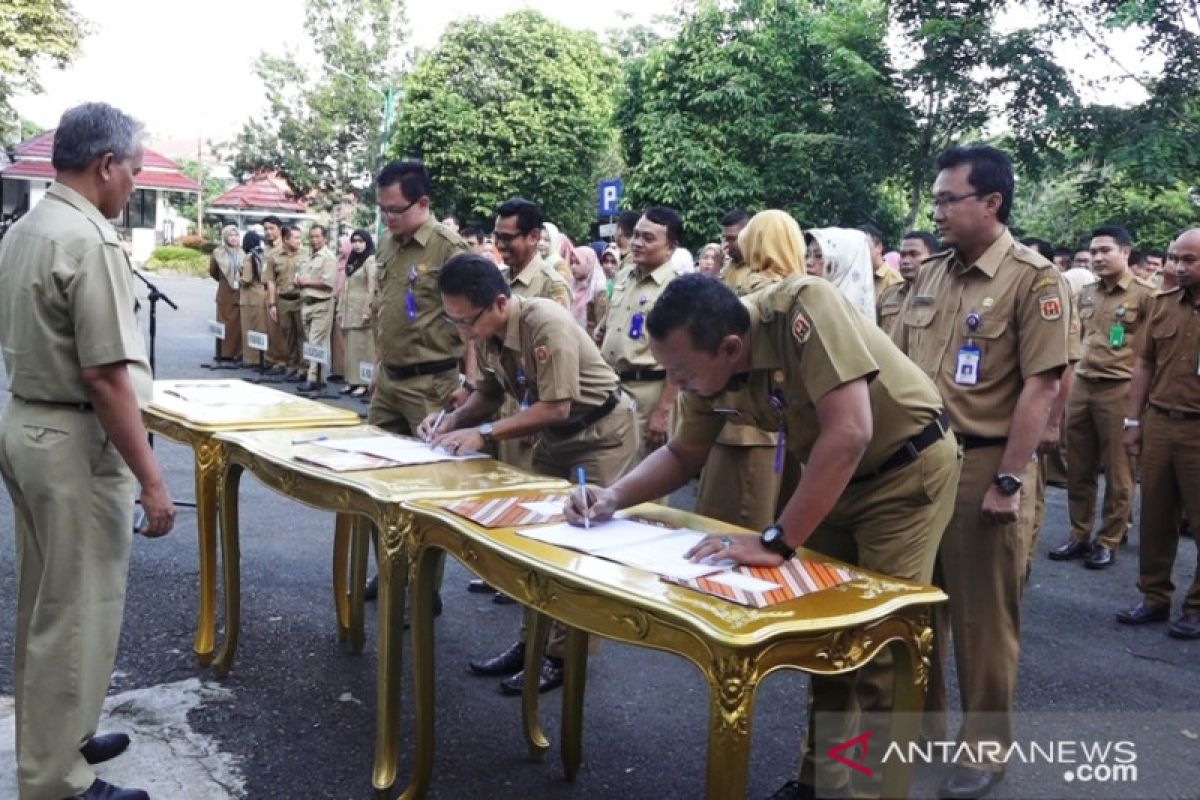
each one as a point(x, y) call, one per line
point(312, 301)
point(642, 375)
point(59, 404)
point(1173, 413)
point(289, 295)
point(590, 418)
point(910, 450)
point(970, 442)
point(425, 368)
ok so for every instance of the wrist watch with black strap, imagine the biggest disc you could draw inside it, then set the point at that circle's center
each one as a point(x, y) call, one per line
point(485, 431)
point(775, 540)
point(1007, 483)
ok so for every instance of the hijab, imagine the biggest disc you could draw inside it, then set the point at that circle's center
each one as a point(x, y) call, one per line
point(586, 290)
point(252, 246)
point(234, 253)
point(356, 260)
point(772, 242)
point(847, 256)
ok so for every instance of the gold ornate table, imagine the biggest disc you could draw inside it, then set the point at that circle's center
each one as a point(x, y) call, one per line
point(195, 425)
point(372, 498)
point(828, 632)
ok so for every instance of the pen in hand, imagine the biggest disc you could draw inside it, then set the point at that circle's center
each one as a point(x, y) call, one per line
point(583, 498)
point(437, 423)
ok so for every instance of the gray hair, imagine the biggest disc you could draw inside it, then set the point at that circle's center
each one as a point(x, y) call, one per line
point(86, 132)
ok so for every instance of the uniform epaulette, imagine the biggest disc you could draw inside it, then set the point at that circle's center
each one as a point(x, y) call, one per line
point(1145, 283)
point(1166, 292)
point(1027, 255)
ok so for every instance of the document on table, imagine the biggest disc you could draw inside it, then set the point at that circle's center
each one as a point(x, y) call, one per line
point(226, 394)
point(337, 460)
point(401, 450)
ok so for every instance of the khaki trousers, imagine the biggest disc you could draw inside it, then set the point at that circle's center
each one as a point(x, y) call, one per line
point(291, 322)
point(514, 452)
point(252, 305)
point(891, 525)
point(739, 485)
point(228, 312)
point(647, 394)
point(1095, 439)
point(1170, 464)
point(318, 325)
point(72, 499)
point(277, 346)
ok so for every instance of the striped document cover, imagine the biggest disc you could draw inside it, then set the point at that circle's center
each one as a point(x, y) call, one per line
point(507, 512)
point(795, 578)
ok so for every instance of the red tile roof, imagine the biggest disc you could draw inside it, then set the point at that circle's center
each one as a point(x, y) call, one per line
point(262, 192)
point(158, 172)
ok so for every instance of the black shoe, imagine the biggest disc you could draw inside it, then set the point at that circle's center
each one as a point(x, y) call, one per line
point(99, 749)
point(336, 379)
point(1124, 538)
point(277, 371)
point(508, 662)
point(1101, 558)
point(551, 677)
point(294, 377)
point(1143, 613)
point(794, 790)
point(1185, 529)
point(308, 387)
point(372, 590)
point(477, 586)
point(501, 599)
point(1186, 627)
point(966, 783)
point(1072, 548)
point(437, 609)
point(99, 790)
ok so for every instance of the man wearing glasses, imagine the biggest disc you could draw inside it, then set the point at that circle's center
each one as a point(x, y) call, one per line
point(988, 321)
point(532, 350)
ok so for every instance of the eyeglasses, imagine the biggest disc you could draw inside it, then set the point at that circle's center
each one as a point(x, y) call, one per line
point(395, 212)
point(464, 323)
point(947, 200)
point(505, 238)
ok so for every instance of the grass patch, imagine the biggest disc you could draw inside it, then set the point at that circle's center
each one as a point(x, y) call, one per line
point(195, 264)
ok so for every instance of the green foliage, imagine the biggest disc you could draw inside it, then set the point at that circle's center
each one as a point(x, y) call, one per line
point(766, 104)
point(171, 252)
point(32, 32)
point(185, 203)
point(322, 131)
point(519, 106)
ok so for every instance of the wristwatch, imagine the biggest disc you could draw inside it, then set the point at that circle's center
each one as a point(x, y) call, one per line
point(1007, 484)
point(485, 430)
point(773, 539)
point(1131, 422)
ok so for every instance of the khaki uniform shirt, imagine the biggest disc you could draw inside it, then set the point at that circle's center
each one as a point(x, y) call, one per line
point(281, 270)
point(537, 279)
point(67, 302)
point(320, 266)
point(1100, 310)
point(545, 355)
point(806, 340)
point(885, 276)
point(414, 266)
point(744, 280)
point(1024, 320)
point(1170, 344)
point(248, 277)
point(890, 302)
point(633, 293)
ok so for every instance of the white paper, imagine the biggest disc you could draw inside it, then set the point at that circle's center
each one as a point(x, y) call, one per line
point(226, 394)
point(747, 583)
point(394, 448)
point(546, 509)
point(601, 535)
point(635, 544)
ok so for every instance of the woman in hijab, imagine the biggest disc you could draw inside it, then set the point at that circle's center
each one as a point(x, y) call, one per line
point(356, 309)
point(589, 288)
point(710, 261)
point(225, 267)
point(843, 257)
point(556, 249)
point(252, 302)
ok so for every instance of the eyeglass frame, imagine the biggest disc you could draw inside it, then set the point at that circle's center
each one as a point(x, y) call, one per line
point(946, 201)
point(462, 323)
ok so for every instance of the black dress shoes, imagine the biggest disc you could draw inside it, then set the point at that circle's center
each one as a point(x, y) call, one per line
point(508, 662)
point(501, 599)
point(1101, 558)
point(1070, 549)
point(551, 677)
point(99, 790)
point(1186, 627)
point(307, 386)
point(477, 586)
point(966, 783)
point(99, 749)
point(1143, 613)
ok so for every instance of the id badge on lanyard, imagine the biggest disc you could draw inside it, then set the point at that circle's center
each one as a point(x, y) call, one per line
point(780, 405)
point(523, 385)
point(410, 295)
point(638, 321)
point(970, 357)
point(1116, 334)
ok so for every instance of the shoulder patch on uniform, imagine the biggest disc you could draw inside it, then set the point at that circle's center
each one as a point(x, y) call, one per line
point(801, 327)
point(541, 353)
point(1043, 282)
point(1050, 306)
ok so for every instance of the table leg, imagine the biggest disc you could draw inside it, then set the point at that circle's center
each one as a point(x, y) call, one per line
point(907, 704)
point(360, 540)
point(227, 494)
point(731, 687)
point(393, 587)
point(341, 566)
point(206, 468)
point(537, 630)
point(574, 680)
point(423, 668)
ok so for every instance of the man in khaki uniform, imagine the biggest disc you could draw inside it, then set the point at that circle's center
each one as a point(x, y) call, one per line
point(1112, 313)
point(797, 359)
point(622, 334)
point(1166, 377)
point(277, 354)
point(533, 350)
point(987, 322)
point(885, 276)
point(315, 279)
point(739, 483)
point(72, 450)
point(915, 247)
point(283, 300)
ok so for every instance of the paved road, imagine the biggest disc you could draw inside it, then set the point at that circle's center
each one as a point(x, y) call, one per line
point(295, 719)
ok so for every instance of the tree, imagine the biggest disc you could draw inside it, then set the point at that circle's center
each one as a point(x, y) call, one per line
point(322, 131)
point(519, 106)
point(767, 103)
point(184, 202)
point(33, 31)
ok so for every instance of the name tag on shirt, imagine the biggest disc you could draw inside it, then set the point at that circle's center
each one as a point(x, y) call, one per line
point(966, 371)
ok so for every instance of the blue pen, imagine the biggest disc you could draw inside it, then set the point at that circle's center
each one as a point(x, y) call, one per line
point(587, 521)
point(308, 439)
